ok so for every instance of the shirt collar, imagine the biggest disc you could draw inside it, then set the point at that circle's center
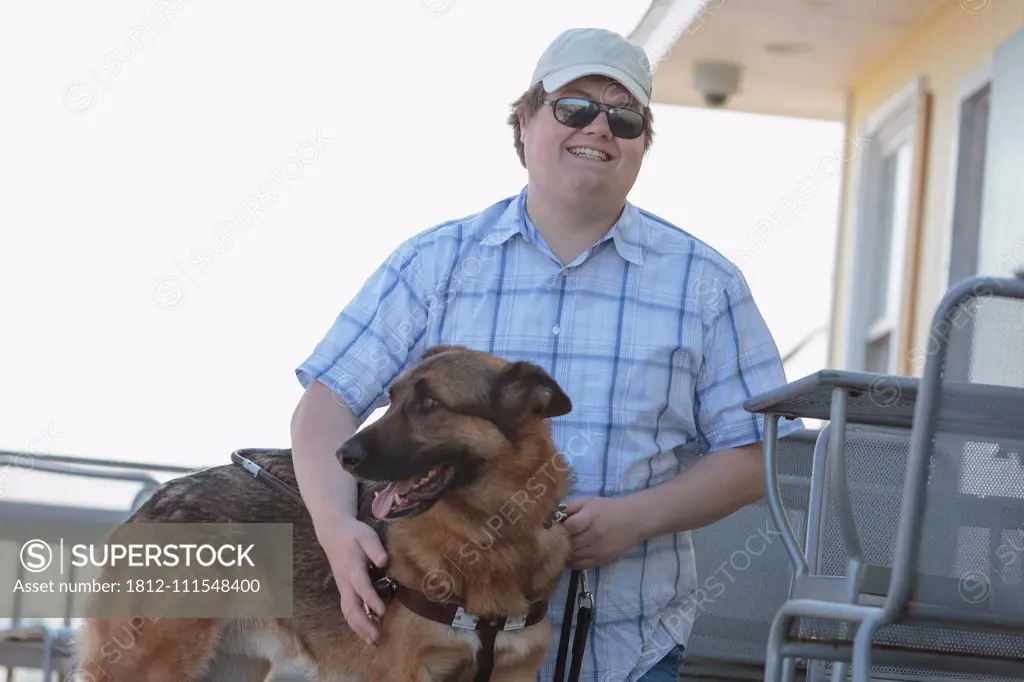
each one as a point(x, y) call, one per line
point(629, 233)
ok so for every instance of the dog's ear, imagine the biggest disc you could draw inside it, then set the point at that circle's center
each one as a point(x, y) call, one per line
point(439, 348)
point(524, 388)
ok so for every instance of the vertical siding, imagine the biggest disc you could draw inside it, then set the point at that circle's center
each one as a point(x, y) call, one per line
point(946, 48)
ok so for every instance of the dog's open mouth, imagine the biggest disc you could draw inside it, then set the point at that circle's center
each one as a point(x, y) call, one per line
point(402, 498)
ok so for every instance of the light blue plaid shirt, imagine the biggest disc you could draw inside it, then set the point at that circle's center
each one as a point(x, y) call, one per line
point(654, 336)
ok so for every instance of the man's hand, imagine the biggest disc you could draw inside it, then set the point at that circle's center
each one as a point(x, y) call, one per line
point(601, 529)
point(355, 544)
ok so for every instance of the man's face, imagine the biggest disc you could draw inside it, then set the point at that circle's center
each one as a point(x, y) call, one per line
point(549, 146)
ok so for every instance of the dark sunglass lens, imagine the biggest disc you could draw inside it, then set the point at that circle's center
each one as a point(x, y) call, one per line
point(626, 123)
point(573, 112)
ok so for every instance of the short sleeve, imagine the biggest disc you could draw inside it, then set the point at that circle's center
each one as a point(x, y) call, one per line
point(741, 360)
point(374, 337)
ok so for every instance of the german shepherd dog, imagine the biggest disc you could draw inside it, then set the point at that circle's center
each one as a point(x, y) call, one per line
point(463, 444)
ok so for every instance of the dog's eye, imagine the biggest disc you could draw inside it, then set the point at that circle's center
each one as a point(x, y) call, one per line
point(424, 406)
point(422, 402)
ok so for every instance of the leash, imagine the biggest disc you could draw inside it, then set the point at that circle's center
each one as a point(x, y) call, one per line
point(453, 613)
point(584, 615)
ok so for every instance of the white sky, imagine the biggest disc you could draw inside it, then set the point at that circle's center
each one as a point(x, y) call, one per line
point(103, 203)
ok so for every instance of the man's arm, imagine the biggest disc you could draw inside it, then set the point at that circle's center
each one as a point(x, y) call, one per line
point(320, 424)
point(741, 359)
point(377, 335)
point(717, 485)
point(714, 487)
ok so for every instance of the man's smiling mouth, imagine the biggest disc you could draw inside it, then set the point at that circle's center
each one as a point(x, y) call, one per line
point(588, 153)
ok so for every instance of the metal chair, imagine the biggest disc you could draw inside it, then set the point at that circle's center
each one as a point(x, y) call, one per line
point(947, 594)
point(876, 459)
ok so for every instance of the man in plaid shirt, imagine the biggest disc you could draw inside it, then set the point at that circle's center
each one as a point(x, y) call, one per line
point(653, 334)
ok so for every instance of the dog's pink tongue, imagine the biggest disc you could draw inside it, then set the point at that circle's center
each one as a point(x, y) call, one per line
point(385, 499)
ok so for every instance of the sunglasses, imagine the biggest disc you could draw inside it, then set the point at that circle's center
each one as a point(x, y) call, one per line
point(577, 112)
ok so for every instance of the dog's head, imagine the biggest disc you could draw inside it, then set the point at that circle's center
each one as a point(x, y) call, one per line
point(455, 418)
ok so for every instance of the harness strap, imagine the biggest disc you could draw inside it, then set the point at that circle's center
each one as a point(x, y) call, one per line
point(487, 629)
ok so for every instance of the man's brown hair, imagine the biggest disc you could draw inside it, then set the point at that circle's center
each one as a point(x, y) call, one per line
point(533, 99)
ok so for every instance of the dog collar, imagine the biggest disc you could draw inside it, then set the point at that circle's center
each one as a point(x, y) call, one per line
point(450, 612)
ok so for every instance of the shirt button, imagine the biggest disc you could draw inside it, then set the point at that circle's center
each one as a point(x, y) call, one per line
point(556, 330)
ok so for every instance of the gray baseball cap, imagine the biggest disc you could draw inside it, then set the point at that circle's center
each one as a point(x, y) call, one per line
point(582, 52)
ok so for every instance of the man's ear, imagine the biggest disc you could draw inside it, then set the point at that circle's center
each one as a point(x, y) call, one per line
point(439, 348)
point(524, 124)
point(524, 389)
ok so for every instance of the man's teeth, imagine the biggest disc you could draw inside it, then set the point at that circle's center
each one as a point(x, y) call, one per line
point(590, 153)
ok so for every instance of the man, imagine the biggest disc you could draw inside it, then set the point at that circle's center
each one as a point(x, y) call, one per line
point(653, 334)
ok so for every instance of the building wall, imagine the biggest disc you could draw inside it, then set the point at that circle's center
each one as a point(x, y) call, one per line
point(946, 48)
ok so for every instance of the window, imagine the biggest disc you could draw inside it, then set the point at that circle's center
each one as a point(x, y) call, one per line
point(966, 192)
point(884, 290)
point(881, 273)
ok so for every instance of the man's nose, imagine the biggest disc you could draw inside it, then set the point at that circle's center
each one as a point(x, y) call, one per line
point(352, 453)
point(599, 126)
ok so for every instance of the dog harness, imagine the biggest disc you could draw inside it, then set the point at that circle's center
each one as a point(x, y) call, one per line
point(452, 613)
point(448, 612)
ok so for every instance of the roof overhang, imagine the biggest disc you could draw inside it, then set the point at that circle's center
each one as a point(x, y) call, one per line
point(795, 57)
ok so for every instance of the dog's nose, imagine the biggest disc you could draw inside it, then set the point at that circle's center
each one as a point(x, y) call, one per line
point(352, 453)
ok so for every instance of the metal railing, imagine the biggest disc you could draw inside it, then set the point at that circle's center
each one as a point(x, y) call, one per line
point(35, 644)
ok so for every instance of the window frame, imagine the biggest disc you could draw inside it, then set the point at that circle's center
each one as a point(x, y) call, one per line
point(959, 158)
point(902, 119)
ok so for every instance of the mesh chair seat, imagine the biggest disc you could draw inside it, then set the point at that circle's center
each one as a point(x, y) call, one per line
point(730, 634)
point(968, 560)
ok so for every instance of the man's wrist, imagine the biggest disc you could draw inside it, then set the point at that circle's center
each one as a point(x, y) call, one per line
point(331, 526)
point(641, 510)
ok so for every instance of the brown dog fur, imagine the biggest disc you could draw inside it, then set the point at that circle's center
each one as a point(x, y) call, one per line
point(485, 538)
